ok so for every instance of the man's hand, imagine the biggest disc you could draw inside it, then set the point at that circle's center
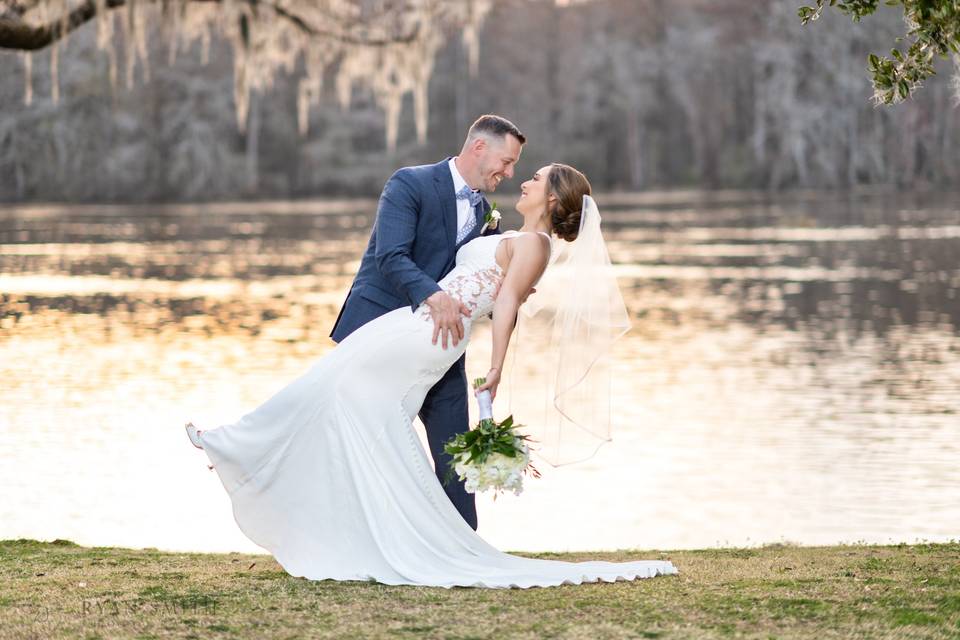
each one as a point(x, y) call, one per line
point(497, 290)
point(445, 312)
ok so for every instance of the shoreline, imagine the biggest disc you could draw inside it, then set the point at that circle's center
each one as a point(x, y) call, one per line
point(58, 589)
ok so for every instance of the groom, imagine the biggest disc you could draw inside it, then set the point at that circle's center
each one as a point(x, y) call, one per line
point(425, 214)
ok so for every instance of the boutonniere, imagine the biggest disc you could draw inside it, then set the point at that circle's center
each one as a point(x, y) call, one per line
point(491, 219)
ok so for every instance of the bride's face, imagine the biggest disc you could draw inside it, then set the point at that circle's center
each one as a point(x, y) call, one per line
point(533, 193)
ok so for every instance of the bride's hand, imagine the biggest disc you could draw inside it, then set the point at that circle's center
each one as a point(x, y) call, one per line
point(493, 381)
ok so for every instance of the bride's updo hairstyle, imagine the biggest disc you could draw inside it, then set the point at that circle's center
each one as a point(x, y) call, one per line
point(569, 186)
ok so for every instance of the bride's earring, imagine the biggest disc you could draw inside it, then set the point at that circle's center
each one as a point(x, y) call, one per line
point(194, 434)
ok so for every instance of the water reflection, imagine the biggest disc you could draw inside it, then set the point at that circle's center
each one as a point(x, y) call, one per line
point(792, 372)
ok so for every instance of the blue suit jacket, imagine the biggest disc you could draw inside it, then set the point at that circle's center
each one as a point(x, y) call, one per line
point(412, 246)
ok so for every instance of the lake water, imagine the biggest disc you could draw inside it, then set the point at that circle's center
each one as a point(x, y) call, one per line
point(793, 372)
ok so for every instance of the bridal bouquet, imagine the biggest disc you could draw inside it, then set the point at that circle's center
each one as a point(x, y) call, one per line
point(492, 455)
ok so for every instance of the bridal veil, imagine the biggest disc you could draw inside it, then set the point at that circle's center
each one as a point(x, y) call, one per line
point(559, 381)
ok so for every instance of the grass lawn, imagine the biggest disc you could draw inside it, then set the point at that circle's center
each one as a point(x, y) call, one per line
point(61, 590)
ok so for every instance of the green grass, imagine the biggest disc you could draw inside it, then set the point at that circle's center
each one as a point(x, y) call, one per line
point(61, 590)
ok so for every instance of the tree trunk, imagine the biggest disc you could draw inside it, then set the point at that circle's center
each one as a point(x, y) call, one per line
point(253, 143)
point(635, 147)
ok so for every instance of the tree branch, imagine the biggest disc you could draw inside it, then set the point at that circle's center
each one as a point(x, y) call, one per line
point(17, 34)
point(20, 35)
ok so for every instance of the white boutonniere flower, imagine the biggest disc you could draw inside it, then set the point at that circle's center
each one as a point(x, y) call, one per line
point(492, 219)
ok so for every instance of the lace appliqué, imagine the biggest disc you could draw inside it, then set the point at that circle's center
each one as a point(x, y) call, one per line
point(474, 289)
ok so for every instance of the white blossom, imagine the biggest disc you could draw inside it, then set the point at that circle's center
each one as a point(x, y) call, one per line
point(498, 472)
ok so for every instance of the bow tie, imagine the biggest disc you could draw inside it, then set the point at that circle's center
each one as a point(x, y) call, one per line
point(466, 193)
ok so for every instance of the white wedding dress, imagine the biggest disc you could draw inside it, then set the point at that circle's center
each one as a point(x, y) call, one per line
point(330, 477)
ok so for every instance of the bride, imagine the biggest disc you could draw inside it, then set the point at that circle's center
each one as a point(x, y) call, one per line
point(329, 475)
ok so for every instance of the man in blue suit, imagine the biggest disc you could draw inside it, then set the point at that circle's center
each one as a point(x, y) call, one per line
point(426, 213)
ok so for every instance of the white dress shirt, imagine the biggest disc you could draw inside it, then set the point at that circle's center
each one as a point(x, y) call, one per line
point(464, 210)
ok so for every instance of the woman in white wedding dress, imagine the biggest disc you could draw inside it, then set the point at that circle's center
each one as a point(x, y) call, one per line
point(329, 475)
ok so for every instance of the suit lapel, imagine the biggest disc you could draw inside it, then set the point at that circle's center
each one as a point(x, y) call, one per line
point(481, 212)
point(443, 182)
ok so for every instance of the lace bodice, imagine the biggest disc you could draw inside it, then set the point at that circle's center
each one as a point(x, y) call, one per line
point(476, 275)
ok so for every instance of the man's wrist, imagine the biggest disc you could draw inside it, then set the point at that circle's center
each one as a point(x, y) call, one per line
point(427, 293)
point(438, 302)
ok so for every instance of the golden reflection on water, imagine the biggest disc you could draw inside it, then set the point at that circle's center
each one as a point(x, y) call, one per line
point(781, 382)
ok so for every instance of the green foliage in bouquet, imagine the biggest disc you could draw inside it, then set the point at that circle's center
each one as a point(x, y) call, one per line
point(488, 437)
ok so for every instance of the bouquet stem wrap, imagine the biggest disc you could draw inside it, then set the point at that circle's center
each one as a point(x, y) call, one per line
point(485, 402)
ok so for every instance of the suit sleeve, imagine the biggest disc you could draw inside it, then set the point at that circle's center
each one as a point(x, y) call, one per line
point(395, 229)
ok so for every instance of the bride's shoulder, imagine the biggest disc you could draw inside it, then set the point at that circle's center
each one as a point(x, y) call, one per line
point(533, 244)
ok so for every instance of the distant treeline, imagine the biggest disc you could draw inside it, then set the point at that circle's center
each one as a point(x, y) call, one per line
point(637, 93)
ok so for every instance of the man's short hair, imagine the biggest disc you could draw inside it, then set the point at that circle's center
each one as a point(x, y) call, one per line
point(494, 126)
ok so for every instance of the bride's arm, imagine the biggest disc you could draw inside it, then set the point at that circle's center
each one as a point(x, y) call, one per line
point(530, 255)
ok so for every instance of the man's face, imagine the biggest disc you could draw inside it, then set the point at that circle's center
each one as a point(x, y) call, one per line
point(497, 159)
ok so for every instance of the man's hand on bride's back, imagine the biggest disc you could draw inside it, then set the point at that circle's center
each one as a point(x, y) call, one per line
point(446, 311)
